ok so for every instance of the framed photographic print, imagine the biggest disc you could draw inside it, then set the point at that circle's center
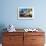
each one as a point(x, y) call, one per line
point(25, 13)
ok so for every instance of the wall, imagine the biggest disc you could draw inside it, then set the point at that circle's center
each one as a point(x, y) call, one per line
point(8, 13)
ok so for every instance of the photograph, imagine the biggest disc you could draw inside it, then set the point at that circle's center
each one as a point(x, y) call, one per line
point(25, 13)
